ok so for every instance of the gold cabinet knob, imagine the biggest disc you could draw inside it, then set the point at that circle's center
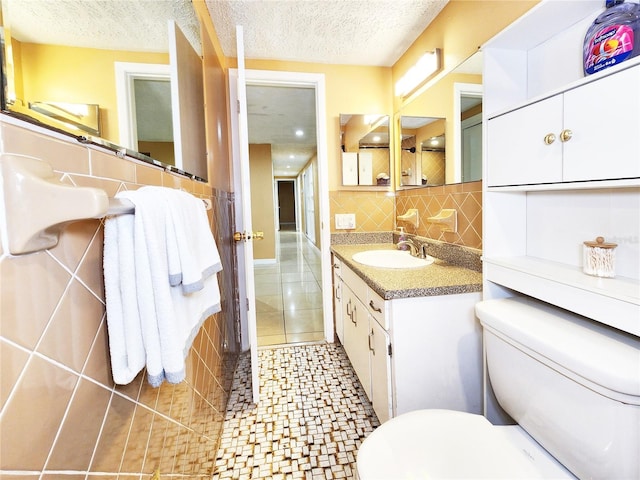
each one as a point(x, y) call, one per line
point(566, 135)
point(238, 236)
point(549, 138)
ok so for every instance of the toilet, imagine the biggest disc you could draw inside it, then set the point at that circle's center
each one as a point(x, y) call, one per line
point(571, 384)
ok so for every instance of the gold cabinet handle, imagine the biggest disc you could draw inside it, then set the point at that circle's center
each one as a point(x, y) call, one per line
point(258, 235)
point(549, 138)
point(566, 135)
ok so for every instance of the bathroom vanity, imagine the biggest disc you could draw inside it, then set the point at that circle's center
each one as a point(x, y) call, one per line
point(411, 334)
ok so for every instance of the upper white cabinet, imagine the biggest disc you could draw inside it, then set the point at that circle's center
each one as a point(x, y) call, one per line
point(562, 166)
point(590, 132)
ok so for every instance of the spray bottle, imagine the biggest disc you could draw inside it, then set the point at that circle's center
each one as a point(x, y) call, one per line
point(613, 37)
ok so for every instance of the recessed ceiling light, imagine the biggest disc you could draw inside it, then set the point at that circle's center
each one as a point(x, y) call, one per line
point(376, 138)
point(299, 133)
point(288, 166)
point(291, 157)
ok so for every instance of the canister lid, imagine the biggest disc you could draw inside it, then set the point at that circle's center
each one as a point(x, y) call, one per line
point(600, 243)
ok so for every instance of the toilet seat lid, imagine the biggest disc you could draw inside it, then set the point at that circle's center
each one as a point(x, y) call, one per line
point(441, 444)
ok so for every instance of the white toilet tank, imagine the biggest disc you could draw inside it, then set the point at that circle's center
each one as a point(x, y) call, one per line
point(571, 383)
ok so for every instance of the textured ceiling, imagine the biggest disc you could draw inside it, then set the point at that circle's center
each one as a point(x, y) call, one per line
point(139, 25)
point(352, 32)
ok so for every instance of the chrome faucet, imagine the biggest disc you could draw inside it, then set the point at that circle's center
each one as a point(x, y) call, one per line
point(416, 249)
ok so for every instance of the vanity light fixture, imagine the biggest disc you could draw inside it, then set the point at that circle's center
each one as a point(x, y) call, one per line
point(428, 64)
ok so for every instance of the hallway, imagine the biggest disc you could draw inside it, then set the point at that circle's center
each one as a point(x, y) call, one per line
point(289, 293)
point(312, 417)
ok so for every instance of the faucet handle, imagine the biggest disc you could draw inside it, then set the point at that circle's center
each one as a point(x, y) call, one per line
point(423, 250)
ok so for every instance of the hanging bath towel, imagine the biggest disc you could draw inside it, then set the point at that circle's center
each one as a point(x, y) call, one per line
point(158, 298)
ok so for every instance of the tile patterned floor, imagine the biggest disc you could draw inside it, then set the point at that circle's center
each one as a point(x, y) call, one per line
point(289, 294)
point(312, 417)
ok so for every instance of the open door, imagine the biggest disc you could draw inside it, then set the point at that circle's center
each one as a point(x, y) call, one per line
point(242, 190)
point(187, 104)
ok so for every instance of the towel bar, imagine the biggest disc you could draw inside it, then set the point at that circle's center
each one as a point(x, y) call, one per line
point(37, 204)
point(122, 206)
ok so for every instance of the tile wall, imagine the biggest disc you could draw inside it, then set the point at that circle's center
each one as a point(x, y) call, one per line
point(466, 198)
point(375, 211)
point(61, 415)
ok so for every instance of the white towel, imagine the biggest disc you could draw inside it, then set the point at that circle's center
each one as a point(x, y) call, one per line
point(174, 283)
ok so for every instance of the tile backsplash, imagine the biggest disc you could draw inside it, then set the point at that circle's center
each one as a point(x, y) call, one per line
point(376, 210)
point(466, 198)
point(61, 414)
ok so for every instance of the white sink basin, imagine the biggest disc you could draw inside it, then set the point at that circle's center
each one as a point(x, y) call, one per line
point(391, 259)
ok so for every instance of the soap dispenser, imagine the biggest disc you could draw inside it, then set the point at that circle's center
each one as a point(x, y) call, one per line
point(402, 236)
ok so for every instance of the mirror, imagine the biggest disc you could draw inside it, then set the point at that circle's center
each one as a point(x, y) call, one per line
point(62, 54)
point(422, 151)
point(452, 106)
point(364, 140)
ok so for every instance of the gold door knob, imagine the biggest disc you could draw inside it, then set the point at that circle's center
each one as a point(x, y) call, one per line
point(243, 236)
point(549, 138)
point(566, 135)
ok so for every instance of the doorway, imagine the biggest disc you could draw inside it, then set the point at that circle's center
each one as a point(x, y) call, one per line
point(317, 82)
point(286, 205)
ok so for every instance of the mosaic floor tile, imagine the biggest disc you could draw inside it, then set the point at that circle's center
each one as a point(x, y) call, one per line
point(312, 417)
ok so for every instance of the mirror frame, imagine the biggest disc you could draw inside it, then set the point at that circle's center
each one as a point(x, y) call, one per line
point(414, 107)
point(377, 184)
point(419, 149)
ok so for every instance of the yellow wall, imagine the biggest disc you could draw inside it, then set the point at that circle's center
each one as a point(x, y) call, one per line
point(162, 151)
point(78, 75)
point(262, 201)
point(460, 29)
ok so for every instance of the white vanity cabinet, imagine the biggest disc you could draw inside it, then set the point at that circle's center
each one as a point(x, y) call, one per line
point(366, 342)
point(590, 132)
point(412, 353)
point(337, 299)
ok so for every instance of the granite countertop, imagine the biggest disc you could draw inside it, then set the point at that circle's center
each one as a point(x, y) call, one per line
point(439, 278)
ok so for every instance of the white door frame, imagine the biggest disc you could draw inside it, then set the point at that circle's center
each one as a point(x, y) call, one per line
point(317, 81)
point(126, 73)
point(460, 90)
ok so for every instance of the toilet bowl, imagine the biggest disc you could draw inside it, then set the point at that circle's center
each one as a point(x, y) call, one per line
point(437, 444)
point(571, 385)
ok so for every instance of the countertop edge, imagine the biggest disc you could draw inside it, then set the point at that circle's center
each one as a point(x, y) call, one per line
point(418, 291)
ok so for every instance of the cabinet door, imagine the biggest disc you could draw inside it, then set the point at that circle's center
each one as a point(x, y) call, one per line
point(338, 308)
point(356, 329)
point(516, 147)
point(604, 119)
point(380, 371)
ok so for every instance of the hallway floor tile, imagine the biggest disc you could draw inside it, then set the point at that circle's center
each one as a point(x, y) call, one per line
point(289, 293)
point(312, 417)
